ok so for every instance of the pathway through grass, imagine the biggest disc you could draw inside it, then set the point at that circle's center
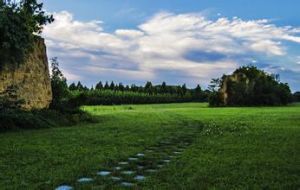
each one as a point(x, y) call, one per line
point(232, 148)
point(134, 170)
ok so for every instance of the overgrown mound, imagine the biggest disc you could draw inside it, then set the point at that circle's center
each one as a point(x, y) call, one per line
point(249, 86)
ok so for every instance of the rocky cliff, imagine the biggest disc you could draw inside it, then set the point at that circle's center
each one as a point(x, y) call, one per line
point(29, 81)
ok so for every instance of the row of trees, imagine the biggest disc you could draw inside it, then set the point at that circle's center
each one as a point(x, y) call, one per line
point(110, 93)
point(148, 88)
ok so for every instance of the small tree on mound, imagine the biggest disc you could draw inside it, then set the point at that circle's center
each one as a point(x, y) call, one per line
point(249, 86)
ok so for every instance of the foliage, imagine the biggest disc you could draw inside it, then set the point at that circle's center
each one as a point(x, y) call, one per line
point(11, 119)
point(249, 86)
point(296, 97)
point(110, 97)
point(120, 94)
point(20, 23)
point(59, 86)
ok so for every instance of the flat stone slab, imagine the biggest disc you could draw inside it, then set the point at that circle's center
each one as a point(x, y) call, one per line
point(117, 168)
point(151, 170)
point(127, 184)
point(123, 163)
point(103, 173)
point(160, 165)
point(133, 159)
point(176, 152)
point(85, 180)
point(140, 154)
point(129, 172)
point(140, 178)
point(116, 178)
point(64, 187)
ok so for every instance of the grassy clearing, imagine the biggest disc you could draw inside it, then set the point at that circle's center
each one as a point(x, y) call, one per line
point(232, 148)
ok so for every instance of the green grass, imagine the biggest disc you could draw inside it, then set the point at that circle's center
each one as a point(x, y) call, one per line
point(232, 148)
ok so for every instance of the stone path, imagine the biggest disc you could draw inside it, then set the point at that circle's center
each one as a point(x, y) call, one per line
point(137, 168)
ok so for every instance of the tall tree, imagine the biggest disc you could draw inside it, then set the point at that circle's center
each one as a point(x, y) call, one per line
point(99, 86)
point(163, 87)
point(58, 84)
point(112, 85)
point(72, 86)
point(106, 86)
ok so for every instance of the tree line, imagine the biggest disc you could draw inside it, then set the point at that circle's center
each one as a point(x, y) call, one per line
point(117, 93)
point(247, 86)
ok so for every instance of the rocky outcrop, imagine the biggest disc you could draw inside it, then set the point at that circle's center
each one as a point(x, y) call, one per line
point(29, 81)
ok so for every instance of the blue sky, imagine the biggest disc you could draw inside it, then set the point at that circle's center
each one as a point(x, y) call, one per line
point(176, 41)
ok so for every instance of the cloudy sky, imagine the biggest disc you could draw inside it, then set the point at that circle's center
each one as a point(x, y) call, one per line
point(177, 41)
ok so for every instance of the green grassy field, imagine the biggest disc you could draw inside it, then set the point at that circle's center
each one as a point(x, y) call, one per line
point(224, 148)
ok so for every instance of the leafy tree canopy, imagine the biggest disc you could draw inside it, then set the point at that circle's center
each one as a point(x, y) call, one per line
point(20, 23)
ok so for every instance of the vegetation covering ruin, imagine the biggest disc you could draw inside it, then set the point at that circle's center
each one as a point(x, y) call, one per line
point(249, 86)
point(20, 23)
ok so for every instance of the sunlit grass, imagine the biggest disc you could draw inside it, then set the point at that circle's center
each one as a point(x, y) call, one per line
point(235, 148)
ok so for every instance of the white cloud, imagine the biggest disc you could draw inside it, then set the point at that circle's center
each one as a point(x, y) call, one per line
point(162, 43)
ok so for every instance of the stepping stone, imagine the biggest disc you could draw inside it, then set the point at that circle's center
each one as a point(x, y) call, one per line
point(132, 159)
point(160, 165)
point(129, 172)
point(176, 152)
point(123, 163)
point(116, 178)
point(117, 168)
point(64, 187)
point(151, 170)
point(85, 180)
point(139, 178)
point(127, 184)
point(103, 173)
point(140, 155)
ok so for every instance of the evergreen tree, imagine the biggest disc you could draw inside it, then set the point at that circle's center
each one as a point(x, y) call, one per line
point(72, 86)
point(163, 88)
point(112, 85)
point(183, 89)
point(99, 86)
point(148, 87)
point(121, 87)
point(58, 84)
point(79, 86)
point(106, 86)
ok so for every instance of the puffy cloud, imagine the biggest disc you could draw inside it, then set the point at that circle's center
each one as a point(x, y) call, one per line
point(189, 45)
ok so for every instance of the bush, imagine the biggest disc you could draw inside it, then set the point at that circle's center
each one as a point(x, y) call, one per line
point(11, 119)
